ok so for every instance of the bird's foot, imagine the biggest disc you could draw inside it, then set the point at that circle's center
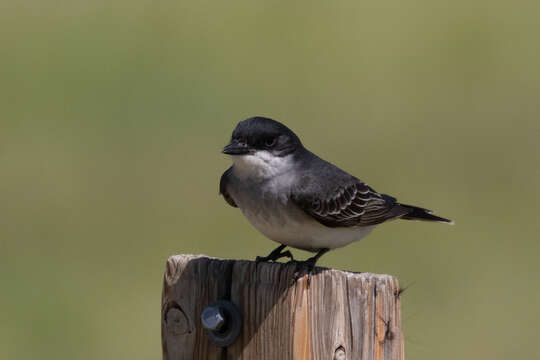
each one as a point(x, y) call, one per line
point(275, 255)
point(304, 268)
point(307, 267)
point(286, 254)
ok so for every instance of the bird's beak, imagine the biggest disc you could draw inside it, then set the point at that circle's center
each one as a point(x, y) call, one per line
point(236, 148)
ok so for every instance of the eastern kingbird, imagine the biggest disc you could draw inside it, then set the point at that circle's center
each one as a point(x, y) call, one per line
point(298, 199)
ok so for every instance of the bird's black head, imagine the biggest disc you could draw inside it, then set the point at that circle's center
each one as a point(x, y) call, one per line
point(260, 133)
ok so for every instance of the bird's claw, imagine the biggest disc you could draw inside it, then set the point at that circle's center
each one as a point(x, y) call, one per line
point(274, 257)
point(287, 254)
point(304, 268)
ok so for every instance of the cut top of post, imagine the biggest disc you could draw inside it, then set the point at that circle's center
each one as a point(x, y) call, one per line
point(340, 315)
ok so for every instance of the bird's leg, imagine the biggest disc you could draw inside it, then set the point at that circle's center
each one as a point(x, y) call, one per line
point(276, 254)
point(309, 264)
point(313, 260)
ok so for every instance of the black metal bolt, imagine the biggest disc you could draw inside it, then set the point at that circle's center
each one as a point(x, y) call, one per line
point(222, 322)
point(213, 318)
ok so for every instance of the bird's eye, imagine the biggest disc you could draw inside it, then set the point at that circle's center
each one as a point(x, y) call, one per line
point(270, 141)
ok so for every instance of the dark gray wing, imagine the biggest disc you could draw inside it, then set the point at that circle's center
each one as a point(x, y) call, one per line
point(337, 199)
point(225, 178)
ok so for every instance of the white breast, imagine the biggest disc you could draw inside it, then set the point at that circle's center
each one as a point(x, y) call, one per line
point(293, 228)
point(267, 207)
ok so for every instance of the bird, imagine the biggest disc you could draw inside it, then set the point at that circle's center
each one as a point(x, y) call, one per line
point(299, 200)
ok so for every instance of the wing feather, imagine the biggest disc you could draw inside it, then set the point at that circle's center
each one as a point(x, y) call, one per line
point(351, 204)
point(223, 182)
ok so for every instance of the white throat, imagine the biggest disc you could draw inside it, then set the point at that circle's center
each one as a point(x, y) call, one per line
point(261, 165)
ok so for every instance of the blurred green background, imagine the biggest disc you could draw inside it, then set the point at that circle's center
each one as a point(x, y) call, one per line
point(113, 115)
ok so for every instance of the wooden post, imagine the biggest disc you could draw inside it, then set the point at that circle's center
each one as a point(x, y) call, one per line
point(341, 315)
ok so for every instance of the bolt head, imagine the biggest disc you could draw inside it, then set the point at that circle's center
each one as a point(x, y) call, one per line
point(212, 318)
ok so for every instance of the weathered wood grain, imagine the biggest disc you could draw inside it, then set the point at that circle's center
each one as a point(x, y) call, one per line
point(341, 315)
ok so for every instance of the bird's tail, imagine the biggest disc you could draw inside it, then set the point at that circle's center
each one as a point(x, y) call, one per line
point(418, 213)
